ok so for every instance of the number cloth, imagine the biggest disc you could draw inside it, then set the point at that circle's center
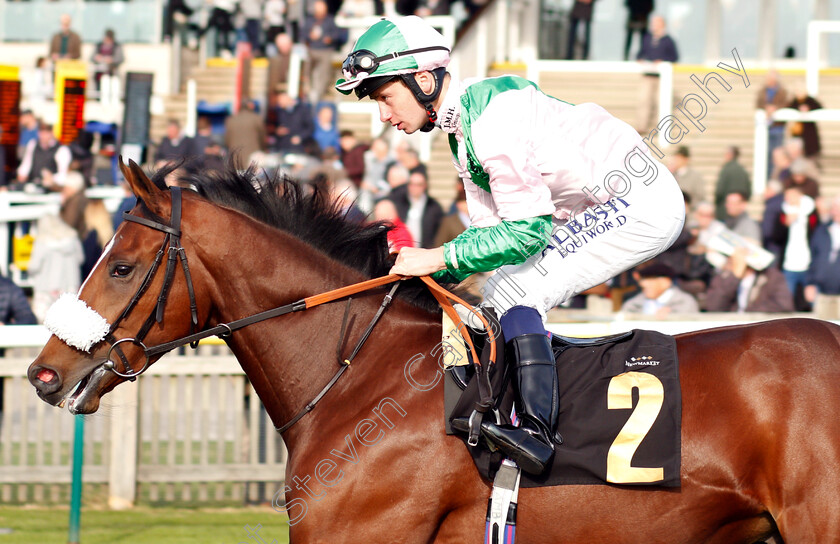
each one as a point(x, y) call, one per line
point(620, 415)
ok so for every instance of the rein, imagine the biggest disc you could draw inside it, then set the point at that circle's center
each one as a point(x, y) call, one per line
point(172, 246)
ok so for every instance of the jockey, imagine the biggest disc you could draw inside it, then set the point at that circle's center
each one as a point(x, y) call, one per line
point(561, 198)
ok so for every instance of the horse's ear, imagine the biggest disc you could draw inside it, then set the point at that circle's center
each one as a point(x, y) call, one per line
point(144, 189)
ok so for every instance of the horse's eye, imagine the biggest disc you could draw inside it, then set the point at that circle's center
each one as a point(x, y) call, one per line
point(121, 271)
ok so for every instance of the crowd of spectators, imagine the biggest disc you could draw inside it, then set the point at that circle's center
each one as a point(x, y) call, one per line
point(715, 265)
point(728, 261)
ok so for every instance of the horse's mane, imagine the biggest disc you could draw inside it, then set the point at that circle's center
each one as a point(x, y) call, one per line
point(304, 211)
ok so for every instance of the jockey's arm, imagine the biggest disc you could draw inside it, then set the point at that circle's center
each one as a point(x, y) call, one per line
point(477, 250)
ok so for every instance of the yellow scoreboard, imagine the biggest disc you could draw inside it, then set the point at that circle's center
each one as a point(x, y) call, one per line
point(10, 116)
point(70, 84)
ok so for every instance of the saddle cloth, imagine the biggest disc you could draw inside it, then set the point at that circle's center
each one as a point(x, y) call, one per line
point(620, 411)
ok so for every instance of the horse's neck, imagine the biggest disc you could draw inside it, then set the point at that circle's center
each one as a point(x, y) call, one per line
point(289, 359)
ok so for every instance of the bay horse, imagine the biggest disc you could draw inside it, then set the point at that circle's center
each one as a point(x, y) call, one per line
point(372, 463)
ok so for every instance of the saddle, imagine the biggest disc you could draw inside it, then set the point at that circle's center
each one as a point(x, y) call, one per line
point(620, 409)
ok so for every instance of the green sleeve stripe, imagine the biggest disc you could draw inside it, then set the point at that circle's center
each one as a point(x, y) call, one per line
point(486, 249)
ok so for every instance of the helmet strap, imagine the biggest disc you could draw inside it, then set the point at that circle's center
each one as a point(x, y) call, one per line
point(427, 100)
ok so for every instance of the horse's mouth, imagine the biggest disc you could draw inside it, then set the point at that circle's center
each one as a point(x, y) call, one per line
point(83, 398)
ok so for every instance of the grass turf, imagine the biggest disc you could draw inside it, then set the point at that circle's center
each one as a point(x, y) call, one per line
point(144, 525)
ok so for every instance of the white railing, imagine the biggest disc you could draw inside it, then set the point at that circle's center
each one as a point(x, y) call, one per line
point(185, 431)
point(18, 206)
point(816, 30)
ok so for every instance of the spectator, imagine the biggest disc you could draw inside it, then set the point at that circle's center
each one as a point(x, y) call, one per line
point(733, 178)
point(799, 178)
point(795, 148)
point(456, 221)
point(252, 11)
point(329, 171)
point(770, 98)
point(581, 13)
point(774, 197)
point(98, 231)
point(45, 161)
point(740, 288)
point(660, 297)
point(703, 228)
point(453, 224)
point(174, 145)
point(345, 194)
point(205, 143)
point(28, 130)
point(81, 150)
point(374, 185)
point(408, 157)
point(397, 180)
point(657, 46)
point(65, 44)
point(677, 257)
point(399, 235)
point(309, 162)
point(39, 84)
point(244, 134)
point(295, 15)
point(321, 37)
point(221, 18)
point(421, 213)
point(294, 124)
point(274, 20)
point(793, 232)
point(781, 164)
point(807, 130)
point(737, 219)
point(690, 180)
point(361, 8)
point(107, 57)
point(638, 12)
point(14, 308)
point(377, 160)
point(176, 11)
point(73, 199)
point(353, 156)
point(326, 130)
point(428, 8)
point(823, 280)
point(55, 264)
point(278, 72)
point(406, 7)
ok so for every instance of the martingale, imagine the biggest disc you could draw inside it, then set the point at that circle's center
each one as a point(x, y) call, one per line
point(620, 411)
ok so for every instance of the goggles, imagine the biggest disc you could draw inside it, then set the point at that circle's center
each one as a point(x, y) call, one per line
point(363, 63)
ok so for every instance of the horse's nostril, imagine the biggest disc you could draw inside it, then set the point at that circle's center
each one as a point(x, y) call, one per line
point(46, 375)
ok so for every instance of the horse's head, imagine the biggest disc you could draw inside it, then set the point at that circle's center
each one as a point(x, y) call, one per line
point(138, 294)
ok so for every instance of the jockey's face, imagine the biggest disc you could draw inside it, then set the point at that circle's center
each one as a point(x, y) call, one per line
point(398, 106)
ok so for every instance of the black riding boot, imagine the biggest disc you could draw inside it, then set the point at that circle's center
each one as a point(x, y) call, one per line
point(530, 445)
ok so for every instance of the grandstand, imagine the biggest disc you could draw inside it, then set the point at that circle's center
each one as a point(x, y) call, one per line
point(510, 38)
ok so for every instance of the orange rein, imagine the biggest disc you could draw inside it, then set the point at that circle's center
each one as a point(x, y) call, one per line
point(441, 295)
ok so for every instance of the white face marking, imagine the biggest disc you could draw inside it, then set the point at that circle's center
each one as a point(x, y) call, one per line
point(105, 251)
point(75, 323)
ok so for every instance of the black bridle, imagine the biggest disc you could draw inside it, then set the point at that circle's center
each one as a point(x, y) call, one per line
point(172, 246)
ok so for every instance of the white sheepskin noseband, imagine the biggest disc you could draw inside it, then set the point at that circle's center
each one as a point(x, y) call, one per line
point(74, 322)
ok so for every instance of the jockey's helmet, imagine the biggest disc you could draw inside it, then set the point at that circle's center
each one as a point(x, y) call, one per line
point(395, 48)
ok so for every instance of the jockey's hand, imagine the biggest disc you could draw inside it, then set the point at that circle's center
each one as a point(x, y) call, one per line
point(415, 261)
